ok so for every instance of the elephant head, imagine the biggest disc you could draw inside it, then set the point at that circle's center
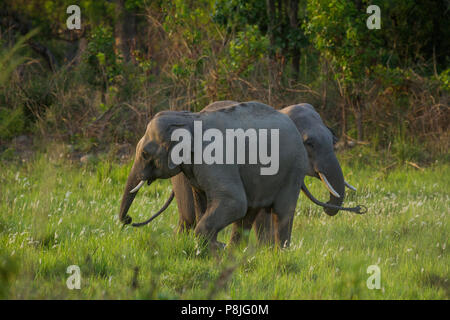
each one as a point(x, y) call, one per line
point(319, 141)
point(152, 160)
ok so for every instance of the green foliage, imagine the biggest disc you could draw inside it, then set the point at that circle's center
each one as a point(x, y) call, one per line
point(134, 4)
point(11, 58)
point(50, 15)
point(392, 77)
point(184, 68)
point(338, 30)
point(237, 14)
point(186, 54)
point(246, 48)
point(12, 120)
point(104, 66)
point(12, 123)
point(240, 15)
point(444, 79)
point(190, 21)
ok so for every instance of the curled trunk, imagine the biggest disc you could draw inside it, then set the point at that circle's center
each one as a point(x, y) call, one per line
point(333, 172)
point(127, 198)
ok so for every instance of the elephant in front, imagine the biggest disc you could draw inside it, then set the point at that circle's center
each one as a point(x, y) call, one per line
point(224, 191)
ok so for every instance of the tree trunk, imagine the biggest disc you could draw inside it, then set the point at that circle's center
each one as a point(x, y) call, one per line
point(82, 45)
point(359, 127)
point(295, 50)
point(124, 29)
point(344, 123)
point(325, 83)
point(130, 34)
point(359, 118)
point(271, 24)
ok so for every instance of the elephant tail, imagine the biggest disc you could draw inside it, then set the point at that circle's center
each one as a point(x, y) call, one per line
point(164, 207)
point(360, 209)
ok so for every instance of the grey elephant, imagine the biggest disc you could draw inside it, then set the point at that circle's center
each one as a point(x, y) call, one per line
point(319, 139)
point(231, 192)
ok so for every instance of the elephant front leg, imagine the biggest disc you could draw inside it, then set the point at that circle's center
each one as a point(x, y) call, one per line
point(219, 214)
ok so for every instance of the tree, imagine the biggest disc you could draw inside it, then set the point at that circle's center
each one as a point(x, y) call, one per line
point(278, 19)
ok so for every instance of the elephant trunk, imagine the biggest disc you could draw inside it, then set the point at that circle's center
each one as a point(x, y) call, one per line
point(332, 176)
point(128, 196)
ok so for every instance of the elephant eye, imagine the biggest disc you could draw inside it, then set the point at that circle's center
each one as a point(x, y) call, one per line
point(145, 155)
point(309, 143)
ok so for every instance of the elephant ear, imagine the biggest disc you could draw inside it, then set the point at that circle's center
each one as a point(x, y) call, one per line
point(150, 148)
point(335, 138)
point(184, 141)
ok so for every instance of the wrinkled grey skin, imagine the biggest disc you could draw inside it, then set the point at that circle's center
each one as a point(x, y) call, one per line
point(232, 192)
point(319, 141)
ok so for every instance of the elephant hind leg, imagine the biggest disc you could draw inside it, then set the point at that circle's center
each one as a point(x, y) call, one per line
point(264, 227)
point(283, 211)
point(283, 229)
point(184, 225)
point(185, 202)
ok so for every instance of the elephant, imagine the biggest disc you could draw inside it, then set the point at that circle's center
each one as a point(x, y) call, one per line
point(319, 140)
point(243, 189)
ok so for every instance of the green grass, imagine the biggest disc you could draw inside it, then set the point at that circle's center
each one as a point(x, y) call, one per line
point(55, 214)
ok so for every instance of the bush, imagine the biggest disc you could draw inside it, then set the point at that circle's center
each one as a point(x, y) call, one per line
point(102, 66)
point(12, 123)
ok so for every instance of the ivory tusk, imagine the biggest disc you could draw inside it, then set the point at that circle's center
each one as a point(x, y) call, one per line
point(328, 185)
point(348, 185)
point(138, 186)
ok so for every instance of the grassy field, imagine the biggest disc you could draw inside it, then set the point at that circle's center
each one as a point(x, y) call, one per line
point(55, 214)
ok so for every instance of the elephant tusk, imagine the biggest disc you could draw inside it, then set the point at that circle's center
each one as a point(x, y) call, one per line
point(138, 187)
point(328, 185)
point(348, 185)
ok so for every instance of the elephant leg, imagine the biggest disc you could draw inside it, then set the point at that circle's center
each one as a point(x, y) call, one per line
point(283, 211)
point(185, 202)
point(243, 225)
point(200, 203)
point(264, 226)
point(283, 229)
point(220, 213)
point(184, 226)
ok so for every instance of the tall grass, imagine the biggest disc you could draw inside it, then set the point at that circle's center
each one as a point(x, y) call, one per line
point(56, 214)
